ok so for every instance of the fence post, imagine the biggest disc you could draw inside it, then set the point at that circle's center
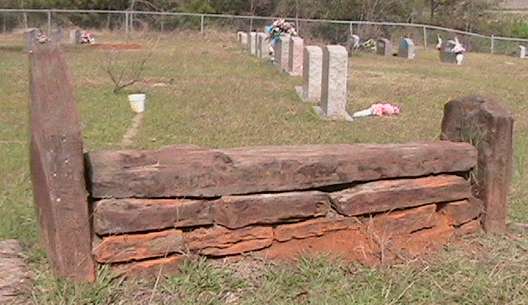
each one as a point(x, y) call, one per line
point(49, 22)
point(425, 36)
point(202, 24)
point(126, 22)
point(492, 44)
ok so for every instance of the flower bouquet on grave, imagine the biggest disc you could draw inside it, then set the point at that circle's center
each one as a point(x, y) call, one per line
point(87, 37)
point(380, 109)
point(277, 29)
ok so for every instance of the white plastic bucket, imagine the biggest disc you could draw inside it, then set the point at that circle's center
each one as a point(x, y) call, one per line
point(137, 102)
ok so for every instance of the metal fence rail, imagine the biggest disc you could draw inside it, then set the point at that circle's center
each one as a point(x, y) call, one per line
point(337, 31)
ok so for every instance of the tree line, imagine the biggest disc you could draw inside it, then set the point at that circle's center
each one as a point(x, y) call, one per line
point(469, 15)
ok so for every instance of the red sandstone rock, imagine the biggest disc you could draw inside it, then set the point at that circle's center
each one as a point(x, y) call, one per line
point(461, 212)
point(404, 222)
point(388, 195)
point(176, 171)
point(57, 166)
point(219, 241)
point(240, 211)
point(124, 248)
point(469, 228)
point(117, 216)
point(313, 228)
point(351, 244)
point(489, 126)
point(150, 268)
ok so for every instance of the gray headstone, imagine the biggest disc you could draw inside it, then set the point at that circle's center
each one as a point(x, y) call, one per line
point(253, 43)
point(446, 56)
point(312, 74)
point(282, 50)
point(74, 37)
point(522, 52)
point(57, 36)
point(407, 49)
point(384, 47)
point(244, 39)
point(296, 56)
point(334, 90)
point(31, 37)
point(262, 45)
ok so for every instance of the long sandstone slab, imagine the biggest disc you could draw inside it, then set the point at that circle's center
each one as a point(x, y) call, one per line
point(240, 211)
point(186, 171)
point(118, 216)
point(388, 195)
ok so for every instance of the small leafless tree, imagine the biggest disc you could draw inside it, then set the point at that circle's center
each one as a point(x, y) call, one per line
point(123, 71)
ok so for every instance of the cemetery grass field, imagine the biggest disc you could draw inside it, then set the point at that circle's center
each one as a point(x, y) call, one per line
point(207, 91)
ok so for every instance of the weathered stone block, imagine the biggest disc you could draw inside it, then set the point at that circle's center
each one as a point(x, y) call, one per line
point(461, 212)
point(388, 195)
point(313, 228)
point(312, 74)
point(334, 91)
point(407, 49)
point(124, 248)
point(522, 52)
point(244, 39)
point(384, 47)
point(240, 211)
point(489, 126)
point(219, 241)
point(118, 216)
point(183, 172)
point(296, 54)
point(57, 166)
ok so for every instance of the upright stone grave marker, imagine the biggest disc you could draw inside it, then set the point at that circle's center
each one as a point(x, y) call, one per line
point(57, 166)
point(334, 83)
point(312, 74)
point(522, 52)
point(384, 47)
point(244, 39)
point(57, 36)
point(446, 55)
point(407, 49)
point(253, 43)
point(296, 56)
point(75, 37)
point(31, 38)
point(262, 45)
point(282, 50)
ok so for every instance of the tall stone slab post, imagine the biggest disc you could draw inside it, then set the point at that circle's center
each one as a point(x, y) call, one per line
point(312, 74)
point(334, 83)
point(57, 166)
point(253, 43)
point(263, 45)
point(522, 53)
point(296, 56)
point(486, 124)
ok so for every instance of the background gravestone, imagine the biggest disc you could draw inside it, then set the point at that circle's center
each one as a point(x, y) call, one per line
point(31, 39)
point(312, 74)
point(334, 91)
point(296, 56)
point(253, 43)
point(445, 55)
point(384, 47)
point(522, 53)
point(407, 49)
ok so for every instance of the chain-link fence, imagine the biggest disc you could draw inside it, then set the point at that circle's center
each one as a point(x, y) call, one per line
point(313, 30)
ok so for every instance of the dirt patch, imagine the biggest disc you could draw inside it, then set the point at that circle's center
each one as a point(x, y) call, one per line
point(117, 46)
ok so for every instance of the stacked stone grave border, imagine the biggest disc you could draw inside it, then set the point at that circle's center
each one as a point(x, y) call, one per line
point(144, 212)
